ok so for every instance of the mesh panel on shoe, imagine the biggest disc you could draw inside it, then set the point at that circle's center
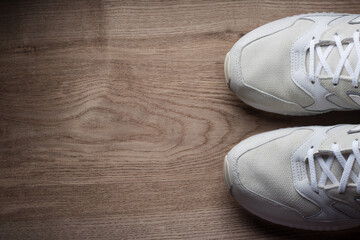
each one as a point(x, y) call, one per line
point(266, 64)
point(266, 170)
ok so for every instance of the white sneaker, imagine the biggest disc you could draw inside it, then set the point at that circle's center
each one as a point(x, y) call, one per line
point(306, 177)
point(300, 65)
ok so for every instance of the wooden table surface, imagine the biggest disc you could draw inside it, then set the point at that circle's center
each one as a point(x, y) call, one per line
point(115, 118)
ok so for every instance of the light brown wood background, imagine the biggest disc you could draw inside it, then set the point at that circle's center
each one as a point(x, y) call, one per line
point(115, 118)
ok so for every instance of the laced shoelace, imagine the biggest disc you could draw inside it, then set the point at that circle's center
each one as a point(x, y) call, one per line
point(343, 62)
point(347, 166)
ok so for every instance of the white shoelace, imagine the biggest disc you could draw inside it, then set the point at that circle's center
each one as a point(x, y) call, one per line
point(343, 62)
point(347, 166)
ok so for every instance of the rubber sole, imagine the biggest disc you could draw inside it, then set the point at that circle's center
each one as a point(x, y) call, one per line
point(226, 175)
point(227, 69)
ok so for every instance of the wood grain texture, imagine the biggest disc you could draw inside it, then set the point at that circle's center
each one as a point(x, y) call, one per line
point(115, 118)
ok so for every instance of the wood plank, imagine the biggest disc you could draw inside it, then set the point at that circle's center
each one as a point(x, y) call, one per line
point(114, 118)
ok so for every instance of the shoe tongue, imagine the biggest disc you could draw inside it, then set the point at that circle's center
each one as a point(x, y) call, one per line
point(333, 60)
